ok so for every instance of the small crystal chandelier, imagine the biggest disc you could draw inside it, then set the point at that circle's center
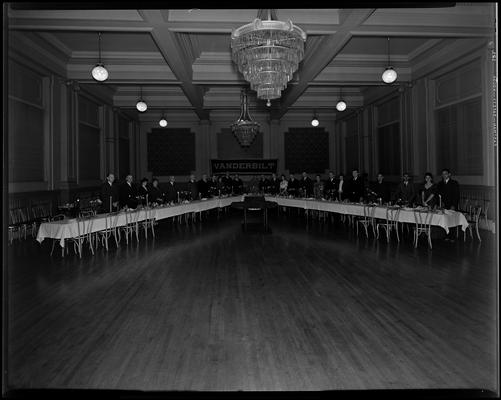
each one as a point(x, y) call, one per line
point(245, 129)
point(268, 53)
point(99, 72)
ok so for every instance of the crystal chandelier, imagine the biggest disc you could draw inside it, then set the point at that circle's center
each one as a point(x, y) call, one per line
point(244, 128)
point(268, 53)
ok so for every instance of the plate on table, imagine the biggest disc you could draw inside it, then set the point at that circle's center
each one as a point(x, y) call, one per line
point(205, 198)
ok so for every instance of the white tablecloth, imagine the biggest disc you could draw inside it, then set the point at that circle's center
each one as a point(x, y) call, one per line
point(68, 228)
point(446, 220)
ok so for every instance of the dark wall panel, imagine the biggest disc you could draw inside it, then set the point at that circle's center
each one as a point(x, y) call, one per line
point(306, 149)
point(171, 151)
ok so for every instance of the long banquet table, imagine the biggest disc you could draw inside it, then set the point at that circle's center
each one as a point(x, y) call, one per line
point(68, 228)
point(446, 219)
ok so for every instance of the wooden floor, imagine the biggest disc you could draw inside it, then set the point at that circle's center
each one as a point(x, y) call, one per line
point(209, 307)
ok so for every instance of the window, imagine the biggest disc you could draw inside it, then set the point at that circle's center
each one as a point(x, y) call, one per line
point(389, 149)
point(459, 137)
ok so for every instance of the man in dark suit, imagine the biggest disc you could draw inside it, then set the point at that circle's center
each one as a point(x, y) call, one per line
point(203, 187)
point(274, 184)
point(293, 186)
point(330, 186)
point(263, 184)
point(406, 193)
point(171, 191)
point(128, 193)
point(355, 187)
point(448, 190)
point(193, 188)
point(237, 185)
point(109, 190)
point(306, 185)
point(381, 189)
point(227, 183)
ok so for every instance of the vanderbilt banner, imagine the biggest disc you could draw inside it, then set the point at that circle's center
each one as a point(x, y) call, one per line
point(244, 166)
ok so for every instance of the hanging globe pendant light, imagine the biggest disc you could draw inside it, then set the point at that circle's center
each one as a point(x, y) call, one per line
point(99, 72)
point(389, 74)
point(141, 106)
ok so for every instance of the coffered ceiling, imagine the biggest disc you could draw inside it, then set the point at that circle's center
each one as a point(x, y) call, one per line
point(181, 58)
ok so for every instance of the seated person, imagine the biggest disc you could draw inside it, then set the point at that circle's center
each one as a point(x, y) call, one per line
point(406, 193)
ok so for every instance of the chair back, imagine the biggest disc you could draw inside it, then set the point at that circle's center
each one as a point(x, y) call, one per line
point(254, 202)
point(369, 211)
point(150, 213)
point(392, 214)
point(423, 219)
point(84, 224)
point(474, 214)
point(57, 217)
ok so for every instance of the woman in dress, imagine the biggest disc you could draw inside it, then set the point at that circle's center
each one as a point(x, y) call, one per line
point(143, 191)
point(318, 188)
point(283, 185)
point(428, 191)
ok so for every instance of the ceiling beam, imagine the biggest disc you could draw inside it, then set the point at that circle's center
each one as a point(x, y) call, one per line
point(168, 45)
point(78, 25)
point(325, 51)
point(422, 31)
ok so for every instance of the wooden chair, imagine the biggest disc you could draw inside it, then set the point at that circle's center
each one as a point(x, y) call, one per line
point(391, 222)
point(148, 222)
point(367, 219)
point(111, 221)
point(84, 226)
point(19, 222)
point(132, 225)
point(422, 220)
point(473, 217)
point(57, 217)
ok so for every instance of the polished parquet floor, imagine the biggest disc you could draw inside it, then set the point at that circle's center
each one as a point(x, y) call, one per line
point(210, 307)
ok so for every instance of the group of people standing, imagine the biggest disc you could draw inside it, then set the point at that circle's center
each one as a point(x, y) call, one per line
point(445, 194)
